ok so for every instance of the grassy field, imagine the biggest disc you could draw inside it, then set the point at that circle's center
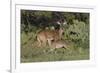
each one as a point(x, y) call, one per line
point(30, 52)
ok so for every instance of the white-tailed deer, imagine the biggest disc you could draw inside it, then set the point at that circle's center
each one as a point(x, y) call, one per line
point(58, 44)
point(48, 36)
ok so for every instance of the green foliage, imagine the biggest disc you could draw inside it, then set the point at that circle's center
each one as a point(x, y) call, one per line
point(43, 13)
point(78, 32)
point(69, 17)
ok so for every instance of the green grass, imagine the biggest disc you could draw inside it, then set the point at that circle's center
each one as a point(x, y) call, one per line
point(30, 52)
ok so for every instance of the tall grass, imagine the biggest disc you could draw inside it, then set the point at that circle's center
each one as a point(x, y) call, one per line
point(78, 46)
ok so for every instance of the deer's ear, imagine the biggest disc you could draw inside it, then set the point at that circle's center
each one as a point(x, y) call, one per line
point(65, 23)
point(58, 23)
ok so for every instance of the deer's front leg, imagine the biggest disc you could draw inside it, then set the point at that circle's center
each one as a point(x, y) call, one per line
point(49, 42)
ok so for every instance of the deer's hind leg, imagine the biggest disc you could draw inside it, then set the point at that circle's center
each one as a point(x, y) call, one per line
point(39, 42)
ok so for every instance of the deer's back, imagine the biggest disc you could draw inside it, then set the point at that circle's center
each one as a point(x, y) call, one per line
point(48, 33)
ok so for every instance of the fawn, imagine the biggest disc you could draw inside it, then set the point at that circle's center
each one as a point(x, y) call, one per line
point(59, 44)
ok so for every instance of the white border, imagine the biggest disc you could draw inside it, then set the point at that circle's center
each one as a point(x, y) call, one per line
point(15, 59)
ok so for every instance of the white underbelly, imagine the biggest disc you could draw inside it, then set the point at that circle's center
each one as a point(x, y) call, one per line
point(59, 46)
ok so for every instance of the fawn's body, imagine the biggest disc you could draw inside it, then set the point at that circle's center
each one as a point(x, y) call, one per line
point(48, 36)
point(58, 44)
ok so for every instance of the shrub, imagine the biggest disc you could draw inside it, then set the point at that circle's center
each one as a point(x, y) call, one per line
point(78, 32)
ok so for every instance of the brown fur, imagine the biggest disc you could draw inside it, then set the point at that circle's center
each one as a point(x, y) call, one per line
point(48, 36)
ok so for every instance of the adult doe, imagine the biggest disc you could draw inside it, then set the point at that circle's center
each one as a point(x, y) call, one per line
point(47, 36)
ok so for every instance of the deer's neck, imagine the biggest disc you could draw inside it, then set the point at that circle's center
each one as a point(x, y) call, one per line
point(60, 33)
